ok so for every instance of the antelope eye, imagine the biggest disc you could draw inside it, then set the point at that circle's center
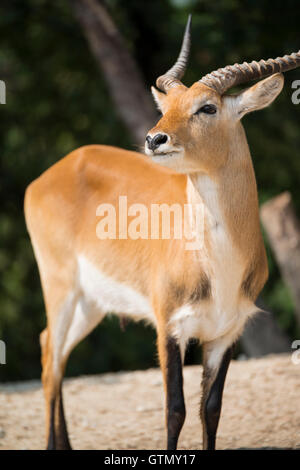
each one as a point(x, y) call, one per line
point(207, 109)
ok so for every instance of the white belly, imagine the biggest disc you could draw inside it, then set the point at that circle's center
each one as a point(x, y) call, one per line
point(104, 294)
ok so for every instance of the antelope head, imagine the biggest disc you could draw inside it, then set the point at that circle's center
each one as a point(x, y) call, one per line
point(199, 123)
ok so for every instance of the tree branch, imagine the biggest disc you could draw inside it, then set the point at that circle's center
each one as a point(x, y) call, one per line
point(127, 88)
point(283, 229)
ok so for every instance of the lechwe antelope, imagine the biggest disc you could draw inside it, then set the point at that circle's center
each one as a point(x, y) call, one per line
point(206, 293)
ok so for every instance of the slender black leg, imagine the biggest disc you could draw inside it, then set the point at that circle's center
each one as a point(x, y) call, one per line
point(51, 438)
point(213, 385)
point(58, 434)
point(174, 392)
point(62, 432)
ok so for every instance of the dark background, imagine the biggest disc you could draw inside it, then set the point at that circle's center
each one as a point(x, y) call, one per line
point(58, 100)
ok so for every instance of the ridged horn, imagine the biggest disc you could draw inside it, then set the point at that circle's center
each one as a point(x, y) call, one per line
point(173, 76)
point(225, 78)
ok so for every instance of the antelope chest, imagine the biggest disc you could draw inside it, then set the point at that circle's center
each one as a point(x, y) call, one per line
point(226, 310)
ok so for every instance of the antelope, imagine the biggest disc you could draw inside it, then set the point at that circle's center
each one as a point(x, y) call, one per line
point(197, 153)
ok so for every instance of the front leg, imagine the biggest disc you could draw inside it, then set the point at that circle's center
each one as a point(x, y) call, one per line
point(216, 359)
point(171, 366)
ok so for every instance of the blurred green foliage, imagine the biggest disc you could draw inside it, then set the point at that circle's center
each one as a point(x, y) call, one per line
point(57, 100)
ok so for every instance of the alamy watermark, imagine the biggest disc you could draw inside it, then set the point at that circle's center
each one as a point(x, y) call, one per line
point(2, 92)
point(296, 354)
point(296, 93)
point(2, 352)
point(155, 222)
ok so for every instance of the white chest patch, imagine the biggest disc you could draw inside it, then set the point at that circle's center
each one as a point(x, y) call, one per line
point(106, 295)
point(224, 263)
point(226, 312)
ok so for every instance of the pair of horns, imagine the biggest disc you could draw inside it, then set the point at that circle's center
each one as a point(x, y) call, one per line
point(227, 77)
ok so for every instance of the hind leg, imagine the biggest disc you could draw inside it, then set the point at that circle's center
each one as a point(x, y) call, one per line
point(57, 435)
point(73, 327)
point(52, 340)
point(85, 319)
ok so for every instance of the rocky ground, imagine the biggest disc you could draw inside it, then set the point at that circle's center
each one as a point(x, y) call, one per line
point(261, 409)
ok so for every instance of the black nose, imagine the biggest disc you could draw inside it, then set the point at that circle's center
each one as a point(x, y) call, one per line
point(156, 141)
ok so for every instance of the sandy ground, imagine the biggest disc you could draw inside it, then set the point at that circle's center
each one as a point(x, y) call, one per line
point(261, 408)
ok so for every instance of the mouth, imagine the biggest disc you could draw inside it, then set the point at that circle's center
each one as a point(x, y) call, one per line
point(163, 154)
point(159, 155)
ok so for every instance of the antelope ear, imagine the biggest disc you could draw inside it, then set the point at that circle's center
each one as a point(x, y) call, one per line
point(159, 99)
point(259, 95)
